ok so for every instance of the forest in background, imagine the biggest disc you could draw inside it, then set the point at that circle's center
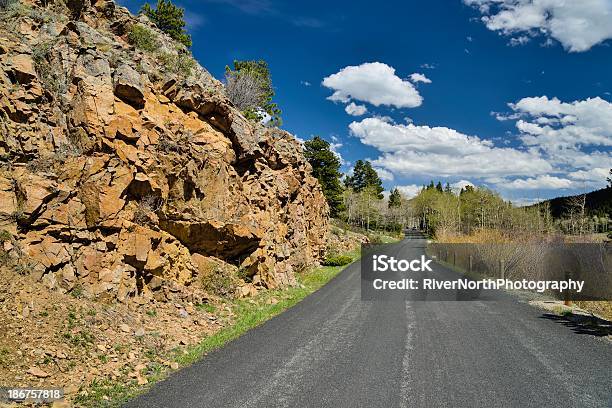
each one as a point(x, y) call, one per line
point(472, 214)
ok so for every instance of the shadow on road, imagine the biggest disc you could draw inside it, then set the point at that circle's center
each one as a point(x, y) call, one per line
point(590, 325)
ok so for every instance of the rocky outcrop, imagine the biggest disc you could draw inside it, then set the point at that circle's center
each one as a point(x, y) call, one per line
point(122, 176)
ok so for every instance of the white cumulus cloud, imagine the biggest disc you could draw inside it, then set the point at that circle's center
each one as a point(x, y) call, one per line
point(416, 77)
point(372, 82)
point(574, 134)
point(439, 151)
point(384, 174)
point(544, 182)
point(335, 148)
point(355, 110)
point(577, 24)
point(410, 190)
point(461, 184)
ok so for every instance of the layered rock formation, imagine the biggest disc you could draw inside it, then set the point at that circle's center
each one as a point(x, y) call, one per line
point(128, 174)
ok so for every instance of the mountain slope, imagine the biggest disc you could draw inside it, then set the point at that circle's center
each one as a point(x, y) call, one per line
point(598, 202)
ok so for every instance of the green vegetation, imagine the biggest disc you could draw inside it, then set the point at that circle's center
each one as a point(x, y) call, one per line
point(4, 4)
point(326, 168)
point(170, 19)
point(443, 212)
point(82, 338)
point(107, 393)
point(249, 87)
point(219, 282)
point(51, 74)
point(143, 38)
point(12, 10)
point(583, 213)
point(365, 177)
point(207, 307)
point(5, 236)
point(77, 291)
point(364, 204)
point(337, 260)
point(180, 64)
point(395, 198)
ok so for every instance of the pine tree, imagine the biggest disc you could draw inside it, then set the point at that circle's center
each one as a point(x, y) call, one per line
point(326, 168)
point(395, 198)
point(448, 188)
point(439, 187)
point(365, 176)
point(170, 19)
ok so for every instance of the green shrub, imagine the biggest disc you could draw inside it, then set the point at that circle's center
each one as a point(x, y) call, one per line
point(50, 72)
point(219, 282)
point(77, 291)
point(5, 258)
point(180, 64)
point(23, 268)
point(5, 236)
point(14, 9)
point(337, 260)
point(5, 4)
point(143, 38)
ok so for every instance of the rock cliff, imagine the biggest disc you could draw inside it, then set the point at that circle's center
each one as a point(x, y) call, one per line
point(128, 174)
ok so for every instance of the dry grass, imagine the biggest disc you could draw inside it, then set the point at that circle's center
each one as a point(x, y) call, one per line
point(600, 308)
point(518, 257)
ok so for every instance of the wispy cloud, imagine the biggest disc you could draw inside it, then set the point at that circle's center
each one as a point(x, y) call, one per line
point(309, 22)
point(256, 7)
point(267, 8)
point(194, 21)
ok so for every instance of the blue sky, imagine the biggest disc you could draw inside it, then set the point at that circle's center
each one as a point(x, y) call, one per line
point(551, 60)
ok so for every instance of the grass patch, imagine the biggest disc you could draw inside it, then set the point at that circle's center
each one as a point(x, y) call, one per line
point(207, 307)
point(249, 313)
point(107, 393)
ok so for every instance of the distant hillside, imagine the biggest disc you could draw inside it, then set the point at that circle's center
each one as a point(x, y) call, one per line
point(598, 202)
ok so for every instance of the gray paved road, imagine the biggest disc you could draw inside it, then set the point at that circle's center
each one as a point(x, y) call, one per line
point(334, 350)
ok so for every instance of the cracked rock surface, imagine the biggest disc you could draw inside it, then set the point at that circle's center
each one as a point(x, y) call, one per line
point(125, 177)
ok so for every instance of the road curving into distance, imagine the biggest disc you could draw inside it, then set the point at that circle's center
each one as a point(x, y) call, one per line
point(335, 350)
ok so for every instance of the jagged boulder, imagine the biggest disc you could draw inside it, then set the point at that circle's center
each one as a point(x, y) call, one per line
point(128, 86)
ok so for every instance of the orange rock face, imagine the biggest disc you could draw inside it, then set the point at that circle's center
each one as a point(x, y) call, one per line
point(125, 178)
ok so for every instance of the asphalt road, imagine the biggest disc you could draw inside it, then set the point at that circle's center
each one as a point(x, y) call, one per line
point(335, 350)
